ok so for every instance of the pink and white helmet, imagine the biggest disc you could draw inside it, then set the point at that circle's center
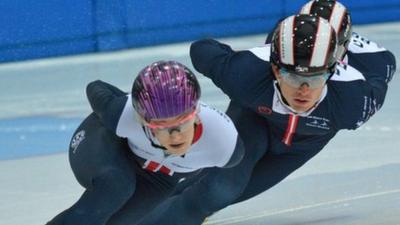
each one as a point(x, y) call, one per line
point(165, 89)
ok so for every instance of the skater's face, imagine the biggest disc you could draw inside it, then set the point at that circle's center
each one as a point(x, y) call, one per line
point(175, 133)
point(300, 93)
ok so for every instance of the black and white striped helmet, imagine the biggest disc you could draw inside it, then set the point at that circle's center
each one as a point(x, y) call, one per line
point(304, 44)
point(337, 15)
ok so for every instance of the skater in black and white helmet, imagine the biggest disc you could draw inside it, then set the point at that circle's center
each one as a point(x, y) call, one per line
point(300, 91)
point(363, 70)
point(134, 149)
point(353, 49)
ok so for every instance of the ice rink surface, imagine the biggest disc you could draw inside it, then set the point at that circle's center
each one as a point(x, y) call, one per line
point(354, 180)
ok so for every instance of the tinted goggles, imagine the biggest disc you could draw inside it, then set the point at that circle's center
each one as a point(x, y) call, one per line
point(313, 81)
point(182, 125)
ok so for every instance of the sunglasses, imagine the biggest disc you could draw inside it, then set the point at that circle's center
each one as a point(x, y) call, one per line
point(296, 80)
point(181, 126)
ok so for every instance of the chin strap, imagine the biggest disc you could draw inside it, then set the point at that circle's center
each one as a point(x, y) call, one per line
point(282, 98)
point(150, 136)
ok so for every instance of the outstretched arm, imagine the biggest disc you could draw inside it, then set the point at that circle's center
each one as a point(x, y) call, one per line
point(240, 74)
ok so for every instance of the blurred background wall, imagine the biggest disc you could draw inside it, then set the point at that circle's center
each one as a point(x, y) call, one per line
point(31, 29)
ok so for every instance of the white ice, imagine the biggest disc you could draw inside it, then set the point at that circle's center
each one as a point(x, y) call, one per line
point(354, 180)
